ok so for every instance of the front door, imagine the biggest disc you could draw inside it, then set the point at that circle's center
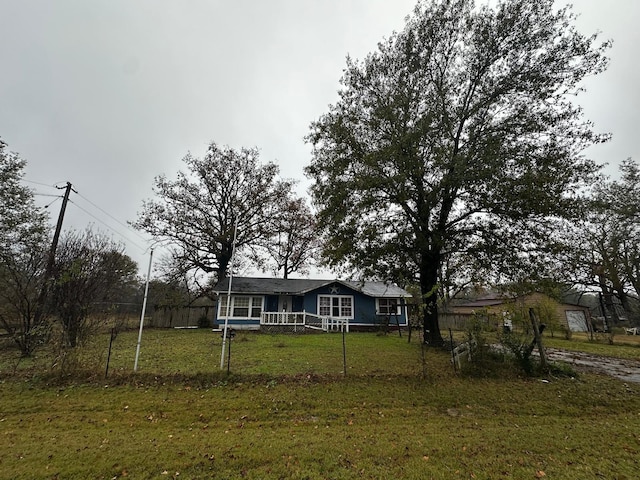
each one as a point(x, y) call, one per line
point(284, 303)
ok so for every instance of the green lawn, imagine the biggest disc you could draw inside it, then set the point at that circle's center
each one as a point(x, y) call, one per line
point(287, 411)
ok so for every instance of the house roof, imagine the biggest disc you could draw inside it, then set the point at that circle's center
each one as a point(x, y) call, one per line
point(478, 303)
point(300, 286)
point(492, 299)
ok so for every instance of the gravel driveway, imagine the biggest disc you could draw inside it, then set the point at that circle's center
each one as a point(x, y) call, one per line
point(627, 370)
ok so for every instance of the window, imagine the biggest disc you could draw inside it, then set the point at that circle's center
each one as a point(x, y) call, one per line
point(241, 307)
point(256, 307)
point(345, 307)
point(388, 306)
point(222, 309)
point(325, 306)
point(339, 306)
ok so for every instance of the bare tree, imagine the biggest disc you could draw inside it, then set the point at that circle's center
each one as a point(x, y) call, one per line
point(296, 240)
point(90, 273)
point(199, 210)
point(606, 244)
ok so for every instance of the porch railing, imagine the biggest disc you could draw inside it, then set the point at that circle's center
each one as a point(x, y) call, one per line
point(304, 319)
point(282, 318)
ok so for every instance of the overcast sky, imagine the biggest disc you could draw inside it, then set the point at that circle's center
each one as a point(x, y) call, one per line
point(107, 94)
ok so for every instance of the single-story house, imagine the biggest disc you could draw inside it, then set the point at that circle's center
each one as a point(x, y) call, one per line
point(309, 303)
point(496, 309)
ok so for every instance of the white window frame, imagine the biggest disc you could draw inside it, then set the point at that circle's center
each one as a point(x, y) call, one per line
point(341, 306)
point(255, 302)
point(387, 312)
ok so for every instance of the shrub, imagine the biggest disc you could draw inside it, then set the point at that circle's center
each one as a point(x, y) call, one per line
point(203, 322)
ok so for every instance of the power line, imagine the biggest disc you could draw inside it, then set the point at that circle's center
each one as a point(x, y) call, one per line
point(108, 226)
point(47, 195)
point(52, 201)
point(112, 217)
point(39, 183)
point(91, 214)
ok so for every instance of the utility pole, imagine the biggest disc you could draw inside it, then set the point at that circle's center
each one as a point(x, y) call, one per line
point(52, 256)
point(56, 234)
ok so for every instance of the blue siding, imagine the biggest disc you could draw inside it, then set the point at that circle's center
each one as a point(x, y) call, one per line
point(364, 306)
point(310, 303)
point(297, 304)
point(271, 303)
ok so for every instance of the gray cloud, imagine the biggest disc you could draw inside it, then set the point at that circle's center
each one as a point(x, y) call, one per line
point(109, 93)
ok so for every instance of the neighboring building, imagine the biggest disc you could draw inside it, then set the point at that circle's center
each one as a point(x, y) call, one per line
point(495, 309)
point(199, 313)
point(310, 303)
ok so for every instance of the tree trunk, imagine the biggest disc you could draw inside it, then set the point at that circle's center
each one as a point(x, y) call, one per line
point(607, 295)
point(429, 290)
point(224, 261)
point(71, 325)
point(624, 300)
point(537, 340)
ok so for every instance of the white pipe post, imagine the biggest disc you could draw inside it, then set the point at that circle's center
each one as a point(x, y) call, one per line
point(144, 308)
point(226, 318)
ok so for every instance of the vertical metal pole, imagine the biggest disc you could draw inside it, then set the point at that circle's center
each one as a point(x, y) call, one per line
point(226, 319)
point(229, 357)
point(144, 308)
point(344, 352)
point(453, 355)
point(106, 370)
point(424, 358)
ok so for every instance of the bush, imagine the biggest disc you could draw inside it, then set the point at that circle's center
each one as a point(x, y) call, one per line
point(479, 360)
point(203, 322)
point(519, 346)
point(519, 341)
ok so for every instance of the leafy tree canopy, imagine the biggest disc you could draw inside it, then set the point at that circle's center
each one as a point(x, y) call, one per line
point(456, 143)
point(23, 238)
point(21, 221)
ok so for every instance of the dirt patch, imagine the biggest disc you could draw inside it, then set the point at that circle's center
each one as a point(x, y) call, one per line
point(627, 370)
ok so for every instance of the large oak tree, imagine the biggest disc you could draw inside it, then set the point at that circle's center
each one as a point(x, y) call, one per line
point(198, 211)
point(457, 139)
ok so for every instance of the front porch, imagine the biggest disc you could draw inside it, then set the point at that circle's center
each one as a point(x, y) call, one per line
point(299, 305)
point(295, 320)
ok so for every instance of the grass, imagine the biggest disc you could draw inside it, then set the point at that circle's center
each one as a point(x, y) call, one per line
point(287, 411)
